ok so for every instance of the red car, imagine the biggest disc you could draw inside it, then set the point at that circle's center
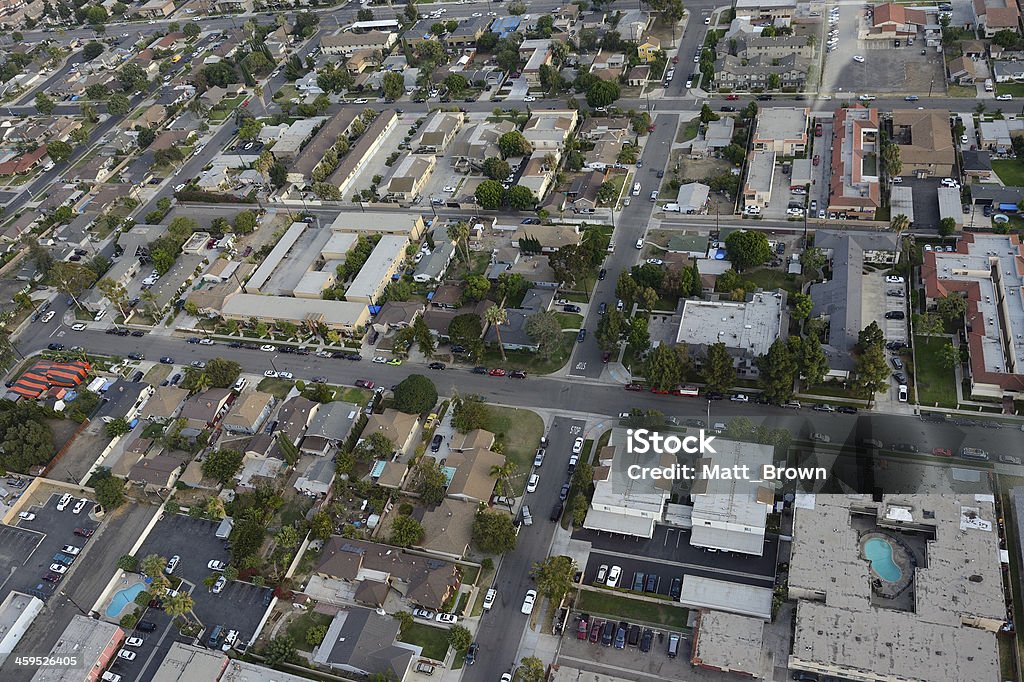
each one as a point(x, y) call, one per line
point(634, 387)
point(363, 383)
point(497, 372)
point(732, 98)
point(675, 60)
point(595, 630)
point(942, 452)
point(817, 159)
point(605, 357)
point(583, 629)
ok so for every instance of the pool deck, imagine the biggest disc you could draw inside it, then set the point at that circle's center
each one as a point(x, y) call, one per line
point(902, 557)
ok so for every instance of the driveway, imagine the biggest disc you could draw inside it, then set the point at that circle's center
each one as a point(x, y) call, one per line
point(926, 200)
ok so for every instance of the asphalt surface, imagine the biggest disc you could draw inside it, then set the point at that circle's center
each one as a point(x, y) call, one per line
point(500, 628)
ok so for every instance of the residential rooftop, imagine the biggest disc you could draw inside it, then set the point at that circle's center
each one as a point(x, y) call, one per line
point(748, 328)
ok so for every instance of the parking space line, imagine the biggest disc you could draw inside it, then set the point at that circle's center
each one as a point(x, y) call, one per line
point(628, 671)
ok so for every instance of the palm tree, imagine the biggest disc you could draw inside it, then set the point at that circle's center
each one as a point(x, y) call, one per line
point(153, 565)
point(497, 316)
point(504, 473)
point(899, 223)
point(459, 233)
point(179, 604)
point(149, 298)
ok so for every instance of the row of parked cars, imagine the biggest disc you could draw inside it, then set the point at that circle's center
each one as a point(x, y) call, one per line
point(622, 634)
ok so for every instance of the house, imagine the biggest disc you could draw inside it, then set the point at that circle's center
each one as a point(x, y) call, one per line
point(165, 404)
point(925, 142)
point(233, 6)
point(638, 76)
point(434, 265)
point(977, 164)
point(648, 48)
point(204, 409)
point(891, 21)
point(539, 172)
point(548, 129)
point(856, 164)
point(966, 71)
point(249, 413)
point(1008, 71)
point(94, 170)
point(24, 163)
point(747, 328)
point(505, 26)
point(717, 135)
point(757, 190)
point(294, 416)
point(550, 237)
point(693, 197)
point(331, 425)
point(317, 478)
point(348, 42)
point(513, 332)
point(437, 132)
point(782, 130)
point(478, 144)
point(155, 474)
point(150, 118)
point(156, 9)
point(993, 16)
point(606, 60)
point(622, 505)
point(536, 53)
point(361, 642)
point(472, 480)
point(447, 528)
point(398, 427)
point(582, 193)
point(173, 41)
point(408, 176)
point(361, 60)
point(467, 32)
point(747, 42)
point(395, 315)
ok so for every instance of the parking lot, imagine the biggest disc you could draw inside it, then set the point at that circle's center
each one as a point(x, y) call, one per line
point(240, 606)
point(886, 68)
point(27, 550)
point(655, 663)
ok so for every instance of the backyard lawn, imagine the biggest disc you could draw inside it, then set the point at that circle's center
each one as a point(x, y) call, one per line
point(1010, 171)
point(936, 385)
point(769, 279)
point(433, 640)
point(609, 604)
point(298, 628)
point(520, 431)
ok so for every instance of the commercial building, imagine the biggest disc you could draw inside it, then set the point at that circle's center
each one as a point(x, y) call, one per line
point(385, 259)
point(928, 612)
point(746, 328)
point(17, 613)
point(341, 316)
point(985, 269)
point(730, 515)
point(856, 163)
point(925, 142)
point(185, 662)
point(623, 504)
point(93, 642)
point(782, 130)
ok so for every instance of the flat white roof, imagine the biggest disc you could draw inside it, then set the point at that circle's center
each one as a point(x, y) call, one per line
point(295, 310)
point(378, 267)
point(749, 327)
point(276, 255)
point(720, 595)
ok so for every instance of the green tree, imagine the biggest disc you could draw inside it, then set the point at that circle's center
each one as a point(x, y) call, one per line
point(778, 370)
point(546, 331)
point(496, 169)
point(459, 638)
point(747, 248)
point(663, 367)
point(531, 669)
point(416, 394)
point(947, 227)
point(520, 198)
point(870, 336)
point(58, 151)
point(375, 446)
point(153, 565)
point(424, 337)
point(321, 527)
point(222, 465)
point(364, 14)
point(626, 289)
point(44, 105)
point(513, 144)
point(494, 532)
point(553, 577)
point(117, 427)
point(609, 330)
point(110, 492)
point(222, 373)
point(637, 335)
point(813, 363)
point(602, 93)
point(470, 412)
point(118, 104)
point(145, 137)
point(178, 605)
point(191, 30)
point(406, 531)
point(280, 649)
point(128, 563)
point(952, 306)
point(802, 305)
point(718, 371)
point(392, 85)
point(899, 223)
point(71, 278)
point(489, 194)
point(948, 356)
point(872, 372)
point(92, 50)
point(475, 288)
point(431, 483)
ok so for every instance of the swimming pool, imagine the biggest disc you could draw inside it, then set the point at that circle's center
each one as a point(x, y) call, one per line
point(123, 598)
point(879, 553)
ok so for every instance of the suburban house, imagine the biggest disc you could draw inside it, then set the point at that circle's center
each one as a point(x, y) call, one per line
point(925, 142)
point(472, 479)
point(204, 409)
point(249, 413)
point(398, 427)
point(361, 642)
point(331, 425)
point(165, 404)
point(647, 50)
point(294, 416)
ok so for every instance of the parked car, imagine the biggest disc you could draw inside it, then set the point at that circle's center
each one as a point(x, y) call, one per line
point(528, 601)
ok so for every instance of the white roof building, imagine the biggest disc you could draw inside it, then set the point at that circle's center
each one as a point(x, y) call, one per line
point(378, 268)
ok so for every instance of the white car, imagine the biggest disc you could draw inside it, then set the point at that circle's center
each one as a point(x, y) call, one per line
point(950, 182)
point(739, 398)
point(707, 21)
point(207, 342)
point(859, 59)
point(893, 279)
point(640, 243)
point(361, 101)
point(219, 586)
point(902, 393)
point(285, 375)
point(178, 188)
point(867, 98)
point(26, 516)
point(133, 641)
point(270, 374)
point(380, 361)
point(267, 348)
point(477, 15)
point(655, 261)
point(531, 487)
point(215, 565)
point(71, 550)
point(613, 576)
point(489, 598)
point(577, 446)
point(689, 82)
point(449, 189)
point(794, 211)
point(63, 502)
point(529, 98)
point(126, 655)
point(80, 505)
point(172, 563)
point(78, 326)
point(1004, 98)
point(49, 315)
point(59, 568)
point(529, 601)
point(449, 618)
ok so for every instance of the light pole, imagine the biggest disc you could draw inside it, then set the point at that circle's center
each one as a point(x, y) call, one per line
point(272, 363)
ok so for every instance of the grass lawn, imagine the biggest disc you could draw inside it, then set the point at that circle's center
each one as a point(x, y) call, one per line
point(576, 297)
point(154, 430)
point(286, 93)
point(610, 604)
point(157, 374)
point(1015, 89)
point(936, 385)
point(532, 362)
point(303, 624)
point(833, 389)
point(1010, 171)
point(772, 279)
point(961, 91)
point(225, 107)
point(433, 640)
point(520, 431)
point(570, 320)
point(688, 131)
point(276, 387)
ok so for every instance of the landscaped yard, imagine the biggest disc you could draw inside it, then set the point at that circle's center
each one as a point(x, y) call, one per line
point(769, 279)
point(1010, 171)
point(936, 385)
point(570, 320)
point(225, 107)
point(433, 640)
point(276, 387)
point(610, 604)
point(298, 628)
point(688, 131)
point(1015, 89)
point(533, 363)
point(520, 431)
